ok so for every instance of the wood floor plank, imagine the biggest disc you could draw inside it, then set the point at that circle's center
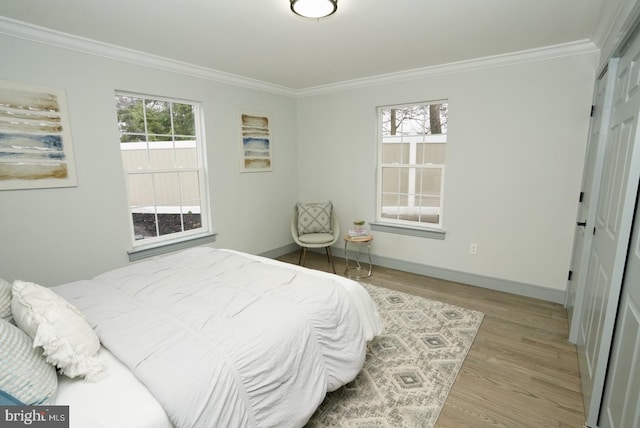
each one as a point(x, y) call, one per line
point(521, 370)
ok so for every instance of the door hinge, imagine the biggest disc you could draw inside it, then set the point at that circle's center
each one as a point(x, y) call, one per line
point(594, 231)
point(570, 275)
point(593, 110)
point(581, 197)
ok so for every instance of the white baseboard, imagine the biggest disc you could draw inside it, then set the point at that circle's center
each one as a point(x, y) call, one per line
point(497, 284)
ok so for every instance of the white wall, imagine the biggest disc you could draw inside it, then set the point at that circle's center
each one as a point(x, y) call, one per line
point(52, 236)
point(520, 211)
point(517, 137)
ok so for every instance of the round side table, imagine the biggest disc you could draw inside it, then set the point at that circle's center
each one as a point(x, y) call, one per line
point(354, 268)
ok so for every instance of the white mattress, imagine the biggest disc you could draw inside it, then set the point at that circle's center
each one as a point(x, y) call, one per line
point(117, 401)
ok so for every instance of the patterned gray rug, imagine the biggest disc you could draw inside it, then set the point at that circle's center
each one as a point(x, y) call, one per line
point(409, 370)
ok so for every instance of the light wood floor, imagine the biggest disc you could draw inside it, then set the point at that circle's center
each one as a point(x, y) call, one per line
point(521, 370)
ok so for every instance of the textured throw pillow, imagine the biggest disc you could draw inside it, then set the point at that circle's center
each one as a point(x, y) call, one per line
point(67, 339)
point(25, 376)
point(5, 300)
point(314, 217)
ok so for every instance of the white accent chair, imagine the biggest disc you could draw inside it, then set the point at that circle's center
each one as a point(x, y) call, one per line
point(315, 240)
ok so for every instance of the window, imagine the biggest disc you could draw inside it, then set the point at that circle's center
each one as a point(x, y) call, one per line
point(163, 160)
point(411, 160)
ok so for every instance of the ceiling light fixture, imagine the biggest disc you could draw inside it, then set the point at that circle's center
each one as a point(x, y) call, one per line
point(315, 9)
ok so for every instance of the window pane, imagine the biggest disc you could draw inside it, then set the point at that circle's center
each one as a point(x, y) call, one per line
point(169, 219)
point(429, 208)
point(395, 152)
point(144, 225)
point(390, 204)
point(189, 186)
point(134, 158)
point(130, 115)
point(161, 155)
point(141, 190)
point(167, 188)
point(430, 153)
point(395, 179)
point(158, 115)
point(183, 120)
point(438, 118)
point(390, 180)
point(391, 153)
point(191, 215)
point(428, 180)
point(186, 155)
point(389, 199)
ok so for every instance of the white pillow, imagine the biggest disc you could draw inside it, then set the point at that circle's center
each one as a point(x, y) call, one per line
point(67, 339)
point(5, 300)
point(314, 217)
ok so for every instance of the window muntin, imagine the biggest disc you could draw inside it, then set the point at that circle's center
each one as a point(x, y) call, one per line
point(411, 163)
point(163, 159)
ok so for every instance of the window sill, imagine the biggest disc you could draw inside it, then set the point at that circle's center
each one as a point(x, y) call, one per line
point(167, 247)
point(420, 232)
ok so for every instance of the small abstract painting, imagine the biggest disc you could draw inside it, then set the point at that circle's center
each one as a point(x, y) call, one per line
point(35, 139)
point(256, 143)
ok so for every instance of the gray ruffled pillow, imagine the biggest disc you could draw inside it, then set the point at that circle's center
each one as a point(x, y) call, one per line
point(5, 301)
point(26, 377)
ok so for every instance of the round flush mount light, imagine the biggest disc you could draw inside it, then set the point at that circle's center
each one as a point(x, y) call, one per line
point(315, 9)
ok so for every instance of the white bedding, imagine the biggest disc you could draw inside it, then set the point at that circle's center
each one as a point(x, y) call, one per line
point(117, 401)
point(222, 338)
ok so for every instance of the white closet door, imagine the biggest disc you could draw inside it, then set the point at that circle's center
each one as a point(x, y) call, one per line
point(612, 230)
point(594, 161)
point(621, 407)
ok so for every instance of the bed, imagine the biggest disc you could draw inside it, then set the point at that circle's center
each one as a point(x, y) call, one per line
point(210, 337)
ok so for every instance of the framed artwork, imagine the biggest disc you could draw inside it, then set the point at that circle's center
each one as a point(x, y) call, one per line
point(36, 150)
point(256, 142)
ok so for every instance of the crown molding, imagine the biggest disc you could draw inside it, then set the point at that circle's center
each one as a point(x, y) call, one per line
point(539, 54)
point(63, 40)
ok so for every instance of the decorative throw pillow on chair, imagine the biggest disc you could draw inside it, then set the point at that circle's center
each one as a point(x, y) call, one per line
point(314, 217)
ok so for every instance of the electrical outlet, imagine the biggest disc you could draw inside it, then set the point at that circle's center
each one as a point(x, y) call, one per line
point(473, 248)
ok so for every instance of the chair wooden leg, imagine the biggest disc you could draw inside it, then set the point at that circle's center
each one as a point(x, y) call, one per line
point(330, 257)
point(303, 256)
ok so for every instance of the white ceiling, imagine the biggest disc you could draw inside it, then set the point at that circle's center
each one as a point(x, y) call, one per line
point(263, 40)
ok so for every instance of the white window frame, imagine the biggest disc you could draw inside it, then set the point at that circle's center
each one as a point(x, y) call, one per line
point(184, 238)
point(387, 224)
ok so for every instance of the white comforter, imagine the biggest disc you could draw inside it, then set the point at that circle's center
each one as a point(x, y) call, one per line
point(225, 339)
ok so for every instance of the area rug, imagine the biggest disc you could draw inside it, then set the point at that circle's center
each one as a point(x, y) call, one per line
point(409, 369)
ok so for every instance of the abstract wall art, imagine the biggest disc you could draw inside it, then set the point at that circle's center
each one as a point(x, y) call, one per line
point(35, 140)
point(256, 143)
